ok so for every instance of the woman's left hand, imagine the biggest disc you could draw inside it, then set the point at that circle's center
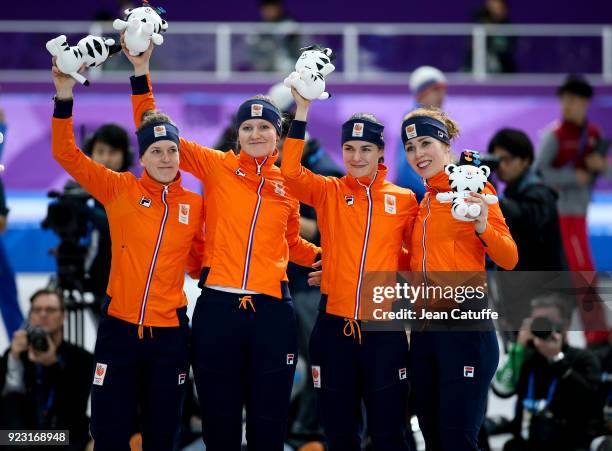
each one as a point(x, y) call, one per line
point(302, 104)
point(480, 221)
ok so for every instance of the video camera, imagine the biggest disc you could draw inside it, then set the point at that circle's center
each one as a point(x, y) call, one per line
point(69, 218)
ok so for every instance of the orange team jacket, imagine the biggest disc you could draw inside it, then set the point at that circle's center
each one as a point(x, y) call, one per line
point(363, 224)
point(252, 220)
point(156, 231)
point(442, 243)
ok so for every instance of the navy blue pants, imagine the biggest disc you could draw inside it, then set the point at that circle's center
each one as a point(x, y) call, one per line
point(346, 372)
point(142, 384)
point(451, 374)
point(243, 357)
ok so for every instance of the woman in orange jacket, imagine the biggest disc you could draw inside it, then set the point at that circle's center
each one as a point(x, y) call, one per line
point(363, 220)
point(156, 232)
point(452, 365)
point(244, 334)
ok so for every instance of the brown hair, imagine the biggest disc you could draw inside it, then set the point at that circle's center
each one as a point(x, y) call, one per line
point(439, 115)
point(47, 291)
point(152, 116)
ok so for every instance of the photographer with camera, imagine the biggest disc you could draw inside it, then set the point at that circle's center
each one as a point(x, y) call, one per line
point(557, 384)
point(45, 380)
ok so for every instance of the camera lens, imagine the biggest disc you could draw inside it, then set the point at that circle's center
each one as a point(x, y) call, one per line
point(543, 327)
point(37, 338)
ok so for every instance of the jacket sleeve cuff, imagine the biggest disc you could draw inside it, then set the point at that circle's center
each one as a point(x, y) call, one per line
point(63, 108)
point(297, 130)
point(140, 84)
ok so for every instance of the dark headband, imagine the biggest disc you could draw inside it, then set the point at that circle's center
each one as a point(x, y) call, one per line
point(259, 109)
point(156, 131)
point(424, 126)
point(363, 130)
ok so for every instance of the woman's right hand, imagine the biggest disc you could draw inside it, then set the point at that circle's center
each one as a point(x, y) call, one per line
point(63, 83)
point(140, 62)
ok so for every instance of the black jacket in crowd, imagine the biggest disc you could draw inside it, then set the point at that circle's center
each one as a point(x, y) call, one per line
point(530, 209)
point(574, 406)
point(67, 383)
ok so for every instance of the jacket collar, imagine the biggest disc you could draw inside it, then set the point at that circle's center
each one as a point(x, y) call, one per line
point(438, 183)
point(361, 182)
point(259, 165)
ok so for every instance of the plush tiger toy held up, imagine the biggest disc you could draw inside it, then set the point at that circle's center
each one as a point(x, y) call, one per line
point(310, 71)
point(467, 177)
point(142, 25)
point(90, 51)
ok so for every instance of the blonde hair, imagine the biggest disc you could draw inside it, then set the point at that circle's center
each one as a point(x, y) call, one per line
point(439, 115)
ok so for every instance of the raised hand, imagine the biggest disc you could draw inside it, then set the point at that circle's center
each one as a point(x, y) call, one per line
point(140, 62)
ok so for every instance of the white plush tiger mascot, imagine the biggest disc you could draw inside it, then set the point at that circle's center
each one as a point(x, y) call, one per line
point(311, 69)
point(68, 59)
point(142, 25)
point(469, 176)
point(90, 51)
point(96, 50)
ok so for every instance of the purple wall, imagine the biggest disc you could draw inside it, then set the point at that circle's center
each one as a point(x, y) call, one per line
point(202, 111)
point(540, 11)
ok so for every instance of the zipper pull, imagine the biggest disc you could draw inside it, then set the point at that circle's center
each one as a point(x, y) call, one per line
point(165, 189)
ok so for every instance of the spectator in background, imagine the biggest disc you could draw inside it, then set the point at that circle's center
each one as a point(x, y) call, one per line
point(44, 380)
point(428, 86)
point(275, 52)
point(529, 206)
point(572, 155)
point(557, 384)
point(500, 58)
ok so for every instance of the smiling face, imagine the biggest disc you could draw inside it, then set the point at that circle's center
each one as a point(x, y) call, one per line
point(257, 137)
point(361, 158)
point(427, 155)
point(161, 160)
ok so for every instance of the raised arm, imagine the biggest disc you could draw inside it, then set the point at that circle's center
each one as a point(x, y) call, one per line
point(197, 159)
point(100, 182)
point(308, 187)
